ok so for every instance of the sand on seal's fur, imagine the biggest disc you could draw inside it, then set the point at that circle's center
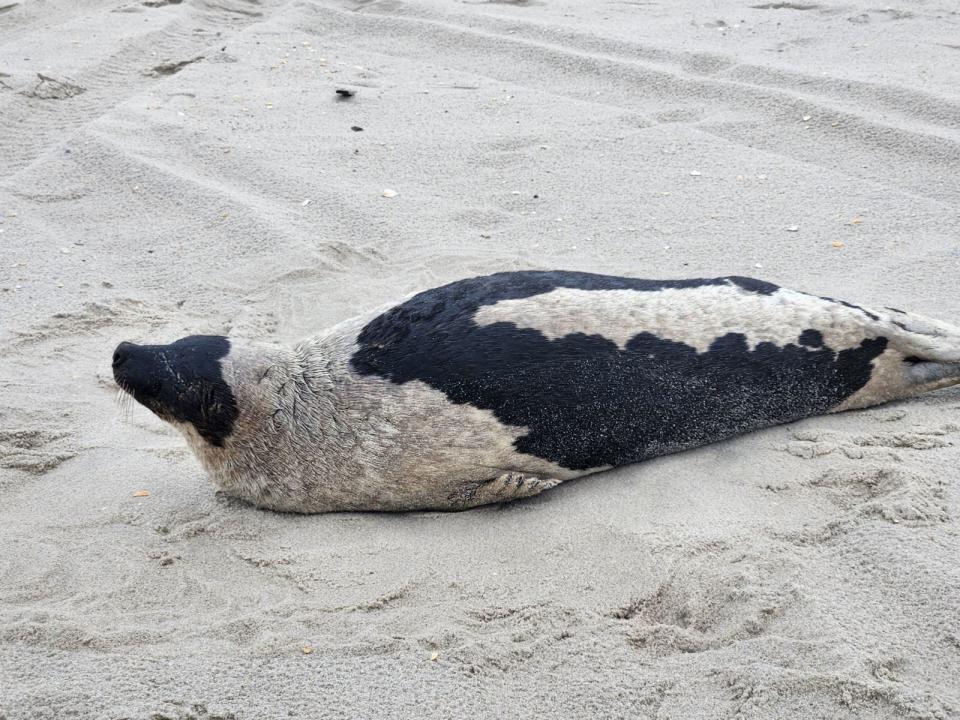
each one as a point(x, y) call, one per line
point(803, 572)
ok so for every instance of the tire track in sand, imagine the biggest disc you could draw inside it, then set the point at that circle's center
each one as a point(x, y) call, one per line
point(916, 150)
point(33, 125)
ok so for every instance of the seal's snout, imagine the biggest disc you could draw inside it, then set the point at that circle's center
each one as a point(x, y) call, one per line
point(122, 354)
point(124, 360)
point(135, 369)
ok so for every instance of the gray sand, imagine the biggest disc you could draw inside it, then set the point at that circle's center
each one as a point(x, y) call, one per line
point(185, 167)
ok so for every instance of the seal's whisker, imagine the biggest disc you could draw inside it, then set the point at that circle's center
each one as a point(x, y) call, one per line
point(124, 402)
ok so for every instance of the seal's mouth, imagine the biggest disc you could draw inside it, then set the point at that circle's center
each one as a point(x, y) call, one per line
point(180, 382)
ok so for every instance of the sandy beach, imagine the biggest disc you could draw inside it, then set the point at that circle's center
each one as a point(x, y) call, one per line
point(171, 168)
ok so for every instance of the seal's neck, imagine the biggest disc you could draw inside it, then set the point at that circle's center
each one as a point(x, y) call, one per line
point(286, 434)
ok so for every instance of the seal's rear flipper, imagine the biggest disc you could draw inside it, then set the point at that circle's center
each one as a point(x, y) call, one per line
point(930, 350)
point(922, 354)
point(922, 339)
point(930, 374)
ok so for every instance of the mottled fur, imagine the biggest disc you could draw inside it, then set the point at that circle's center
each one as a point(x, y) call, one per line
point(313, 434)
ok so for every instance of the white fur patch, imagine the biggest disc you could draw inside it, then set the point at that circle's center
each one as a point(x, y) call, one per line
point(694, 316)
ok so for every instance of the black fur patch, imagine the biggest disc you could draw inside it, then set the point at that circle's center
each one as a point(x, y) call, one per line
point(181, 381)
point(586, 402)
point(869, 314)
point(811, 338)
point(760, 287)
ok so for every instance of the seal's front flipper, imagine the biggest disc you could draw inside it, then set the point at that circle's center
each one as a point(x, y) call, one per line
point(503, 488)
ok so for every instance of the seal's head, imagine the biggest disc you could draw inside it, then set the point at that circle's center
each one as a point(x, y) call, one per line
point(240, 405)
point(182, 383)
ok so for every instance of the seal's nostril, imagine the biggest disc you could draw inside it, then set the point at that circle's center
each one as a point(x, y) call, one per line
point(121, 354)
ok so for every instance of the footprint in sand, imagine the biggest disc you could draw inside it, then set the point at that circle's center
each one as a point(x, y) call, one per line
point(709, 603)
point(35, 450)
